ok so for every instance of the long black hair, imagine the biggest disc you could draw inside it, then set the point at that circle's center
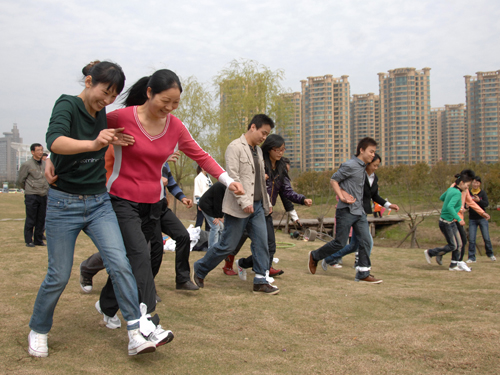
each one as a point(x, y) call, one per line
point(274, 141)
point(159, 81)
point(105, 72)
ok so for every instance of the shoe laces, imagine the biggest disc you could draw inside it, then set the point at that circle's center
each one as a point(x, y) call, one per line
point(40, 340)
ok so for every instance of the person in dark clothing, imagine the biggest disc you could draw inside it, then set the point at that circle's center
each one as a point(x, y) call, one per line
point(32, 179)
point(370, 193)
point(475, 219)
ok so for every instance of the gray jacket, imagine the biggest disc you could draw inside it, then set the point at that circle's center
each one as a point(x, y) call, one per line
point(240, 166)
point(32, 178)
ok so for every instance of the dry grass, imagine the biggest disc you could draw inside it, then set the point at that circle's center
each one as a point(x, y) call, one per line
point(422, 319)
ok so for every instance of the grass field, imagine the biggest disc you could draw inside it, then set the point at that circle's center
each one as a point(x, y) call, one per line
point(422, 319)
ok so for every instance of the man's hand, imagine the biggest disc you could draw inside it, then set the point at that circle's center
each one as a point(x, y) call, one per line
point(122, 139)
point(394, 207)
point(475, 198)
point(50, 171)
point(248, 210)
point(346, 197)
point(237, 189)
point(173, 158)
point(164, 180)
point(486, 216)
point(308, 202)
point(461, 222)
point(187, 202)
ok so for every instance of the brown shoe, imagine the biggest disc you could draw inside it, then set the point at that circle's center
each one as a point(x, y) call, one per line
point(370, 279)
point(199, 281)
point(312, 263)
point(265, 288)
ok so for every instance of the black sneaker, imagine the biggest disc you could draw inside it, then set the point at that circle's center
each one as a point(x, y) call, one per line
point(265, 288)
point(31, 244)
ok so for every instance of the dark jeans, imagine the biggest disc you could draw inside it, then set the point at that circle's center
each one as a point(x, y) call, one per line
point(271, 243)
point(137, 224)
point(463, 237)
point(348, 249)
point(454, 242)
point(483, 226)
point(36, 209)
point(171, 226)
point(359, 223)
point(255, 224)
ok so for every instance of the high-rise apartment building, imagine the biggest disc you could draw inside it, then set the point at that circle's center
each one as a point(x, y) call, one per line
point(292, 131)
point(325, 122)
point(365, 118)
point(405, 108)
point(435, 124)
point(453, 134)
point(9, 163)
point(483, 113)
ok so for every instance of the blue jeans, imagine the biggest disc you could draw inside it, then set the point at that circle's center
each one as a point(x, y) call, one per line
point(348, 249)
point(359, 223)
point(255, 224)
point(483, 226)
point(67, 216)
point(215, 230)
point(453, 239)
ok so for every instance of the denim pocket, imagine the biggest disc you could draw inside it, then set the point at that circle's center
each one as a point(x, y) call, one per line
point(54, 204)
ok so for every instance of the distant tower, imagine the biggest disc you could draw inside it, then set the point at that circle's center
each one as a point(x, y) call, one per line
point(325, 122)
point(483, 114)
point(405, 108)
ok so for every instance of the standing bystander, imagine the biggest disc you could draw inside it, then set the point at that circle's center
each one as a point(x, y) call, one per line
point(479, 196)
point(32, 179)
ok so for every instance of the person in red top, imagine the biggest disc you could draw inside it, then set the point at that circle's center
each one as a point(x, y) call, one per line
point(135, 185)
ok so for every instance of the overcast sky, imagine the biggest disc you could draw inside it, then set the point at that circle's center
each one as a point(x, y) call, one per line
point(45, 44)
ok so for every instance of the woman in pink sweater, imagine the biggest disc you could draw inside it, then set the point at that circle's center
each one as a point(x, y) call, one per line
point(135, 185)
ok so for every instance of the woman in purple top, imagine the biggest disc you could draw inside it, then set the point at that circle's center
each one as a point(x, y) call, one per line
point(277, 181)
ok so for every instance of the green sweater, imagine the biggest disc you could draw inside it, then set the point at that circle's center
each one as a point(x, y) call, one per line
point(82, 173)
point(452, 203)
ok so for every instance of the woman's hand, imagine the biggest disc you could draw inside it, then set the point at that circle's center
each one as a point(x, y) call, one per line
point(173, 158)
point(237, 189)
point(50, 171)
point(122, 139)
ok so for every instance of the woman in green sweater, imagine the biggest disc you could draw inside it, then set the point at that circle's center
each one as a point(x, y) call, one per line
point(452, 199)
point(78, 137)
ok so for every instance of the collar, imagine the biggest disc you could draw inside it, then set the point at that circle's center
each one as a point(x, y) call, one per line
point(359, 161)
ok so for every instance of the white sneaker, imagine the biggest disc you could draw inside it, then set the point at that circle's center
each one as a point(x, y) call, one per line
point(324, 265)
point(336, 265)
point(160, 336)
point(137, 344)
point(111, 322)
point(493, 258)
point(242, 272)
point(463, 266)
point(455, 269)
point(427, 256)
point(470, 261)
point(37, 344)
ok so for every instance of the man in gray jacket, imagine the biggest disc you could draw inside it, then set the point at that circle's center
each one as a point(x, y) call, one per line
point(32, 179)
point(245, 164)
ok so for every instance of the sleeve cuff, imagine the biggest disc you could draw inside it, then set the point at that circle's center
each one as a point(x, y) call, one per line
point(293, 215)
point(387, 204)
point(225, 179)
